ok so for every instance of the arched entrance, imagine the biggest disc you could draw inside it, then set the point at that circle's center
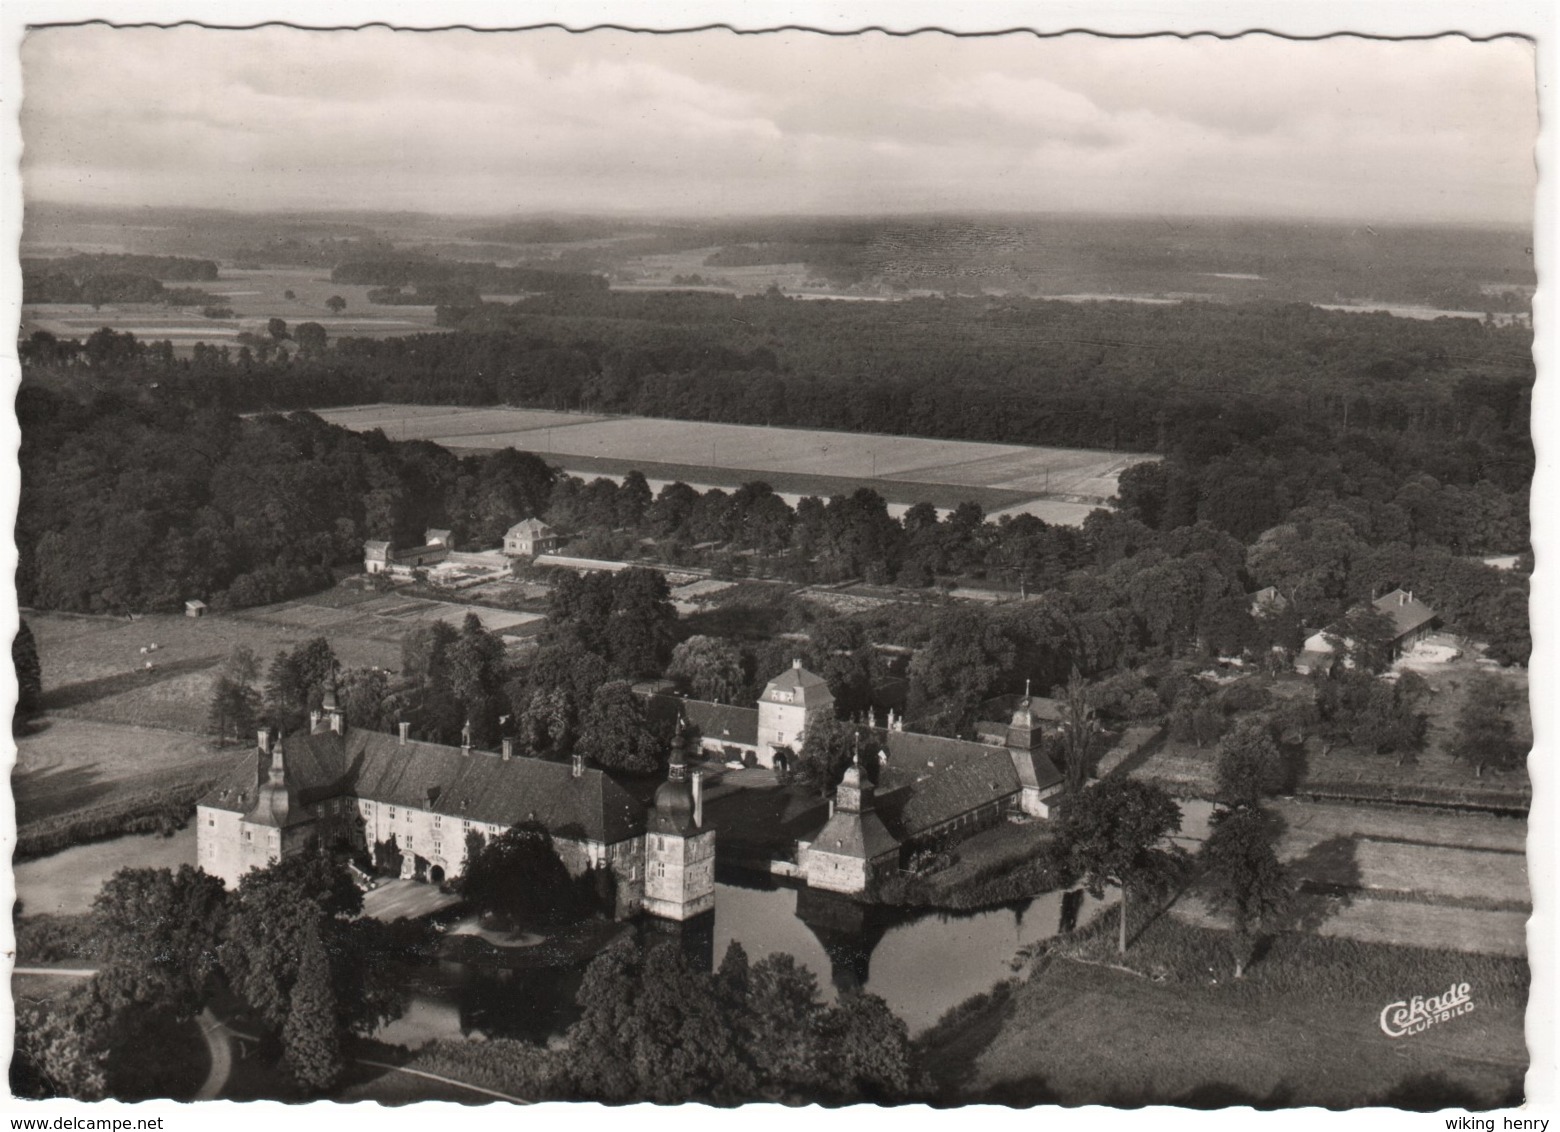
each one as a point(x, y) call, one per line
point(436, 874)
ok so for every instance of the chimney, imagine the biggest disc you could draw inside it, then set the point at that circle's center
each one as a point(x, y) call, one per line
point(579, 765)
point(831, 807)
point(338, 721)
point(465, 738)
point(264, 739)
point(509, 749)
point(314, 721)
point(796, 662)
point(697, 778)
point(406, 729)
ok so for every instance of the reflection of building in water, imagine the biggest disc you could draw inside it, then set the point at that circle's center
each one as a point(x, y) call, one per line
point(695, 935)
point(848, 930)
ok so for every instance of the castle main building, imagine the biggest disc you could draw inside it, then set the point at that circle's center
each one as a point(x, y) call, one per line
point(349, 786)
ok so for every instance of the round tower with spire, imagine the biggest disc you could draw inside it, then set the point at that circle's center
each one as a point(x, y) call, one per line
point(679, 847)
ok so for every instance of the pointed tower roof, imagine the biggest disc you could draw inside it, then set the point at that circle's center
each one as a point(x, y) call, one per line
point(276, 801)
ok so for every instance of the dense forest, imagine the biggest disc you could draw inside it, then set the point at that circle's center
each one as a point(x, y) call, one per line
point(99, 279)
point(1329, 455)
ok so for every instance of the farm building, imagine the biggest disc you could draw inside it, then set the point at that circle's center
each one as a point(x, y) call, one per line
point(1412, 621)
point(196, 608)
point(929, 788)
point(381, 557)
point(340, 785)
point(530, 537)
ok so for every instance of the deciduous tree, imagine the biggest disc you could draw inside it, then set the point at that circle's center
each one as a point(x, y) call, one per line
point(1243, 877)
point(1112, 834)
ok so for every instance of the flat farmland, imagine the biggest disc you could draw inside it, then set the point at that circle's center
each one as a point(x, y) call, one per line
point(254, 296)
point(1001, 476)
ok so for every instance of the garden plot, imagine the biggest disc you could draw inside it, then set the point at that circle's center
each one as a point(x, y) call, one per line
point(418, 611)
point(1441, 871)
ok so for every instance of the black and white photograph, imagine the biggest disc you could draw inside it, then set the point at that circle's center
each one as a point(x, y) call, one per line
point(754, 563)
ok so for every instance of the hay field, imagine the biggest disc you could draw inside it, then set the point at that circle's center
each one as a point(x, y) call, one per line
point(1080, 476)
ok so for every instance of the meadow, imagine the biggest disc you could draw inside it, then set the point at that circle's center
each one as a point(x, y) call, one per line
point(1300, 1029)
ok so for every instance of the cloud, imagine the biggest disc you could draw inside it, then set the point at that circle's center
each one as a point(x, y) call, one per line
point(463, 121)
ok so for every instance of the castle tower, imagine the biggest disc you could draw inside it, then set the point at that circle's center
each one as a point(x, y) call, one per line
point(277, 825)
point(1023, 733)
point(854, 849)
point(791, 703)
point(679, 849)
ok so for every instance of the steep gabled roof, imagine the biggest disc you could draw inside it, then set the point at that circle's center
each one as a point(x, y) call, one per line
point(959, 785)
point(1407, 612)
point(722, 723)
point(529, 528)
point(912, 757)
point(591, 807)
point(476, 786)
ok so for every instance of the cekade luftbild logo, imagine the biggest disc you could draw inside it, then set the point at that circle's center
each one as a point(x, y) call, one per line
point(1415, 1016)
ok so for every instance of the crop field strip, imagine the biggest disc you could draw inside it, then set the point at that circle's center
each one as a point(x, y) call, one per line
point(798, 461)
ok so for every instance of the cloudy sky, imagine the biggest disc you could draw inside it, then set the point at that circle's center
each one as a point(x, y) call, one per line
point(716, 123)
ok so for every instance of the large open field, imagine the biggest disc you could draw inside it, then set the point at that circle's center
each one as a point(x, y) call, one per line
point(1001, 476)
point(114, 730)
point(254, 296)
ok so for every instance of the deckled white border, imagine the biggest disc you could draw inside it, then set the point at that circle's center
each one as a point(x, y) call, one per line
point(1536, 19)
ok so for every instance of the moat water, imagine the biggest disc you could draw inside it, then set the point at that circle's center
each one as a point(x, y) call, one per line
point(920, 963)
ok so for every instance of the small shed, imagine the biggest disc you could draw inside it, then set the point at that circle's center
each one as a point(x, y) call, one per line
point(195, 608)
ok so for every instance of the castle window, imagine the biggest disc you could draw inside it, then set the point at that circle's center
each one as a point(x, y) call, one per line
point(212, 820)
point(437, 848)
point(249, 835)
point(408, 840)
point(392, 813)
point(436, 821)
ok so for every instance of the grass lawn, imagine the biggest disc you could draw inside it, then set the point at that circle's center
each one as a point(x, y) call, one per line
point(66, 765)
point(1301, 1029)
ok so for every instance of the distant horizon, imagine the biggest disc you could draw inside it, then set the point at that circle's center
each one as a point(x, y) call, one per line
point(624, 215)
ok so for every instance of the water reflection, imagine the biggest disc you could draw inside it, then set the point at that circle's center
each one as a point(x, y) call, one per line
point(920, 963)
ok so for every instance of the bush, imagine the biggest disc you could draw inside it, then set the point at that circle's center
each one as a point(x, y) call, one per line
point(504, 1065)
point(51, 938)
